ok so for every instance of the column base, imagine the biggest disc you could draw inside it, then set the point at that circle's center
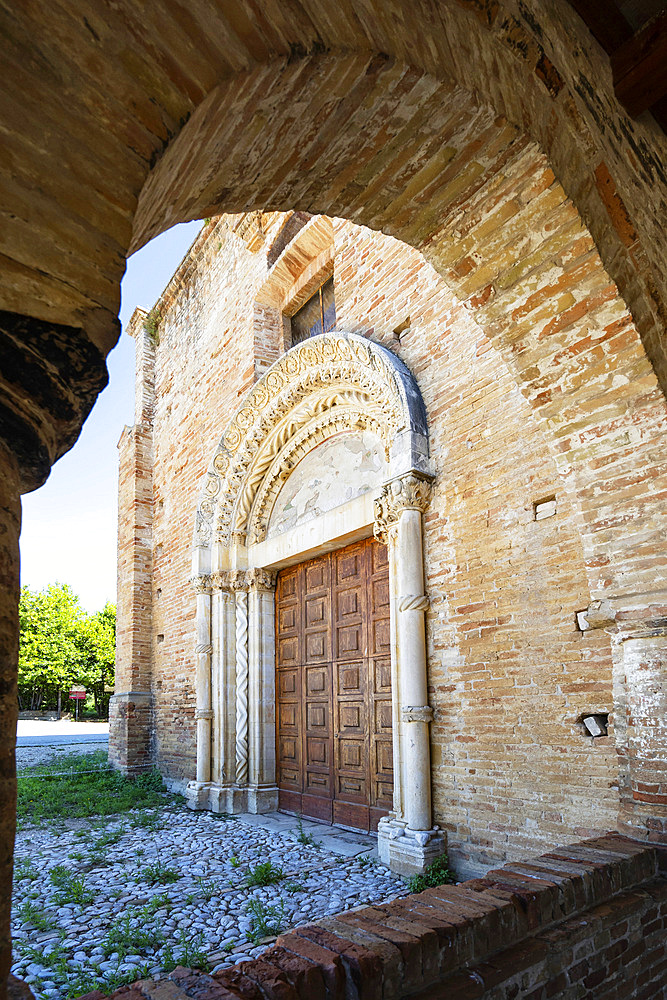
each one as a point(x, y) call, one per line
point(131, 732)
point(197, 794)
point(230, 798)
point(405, 851)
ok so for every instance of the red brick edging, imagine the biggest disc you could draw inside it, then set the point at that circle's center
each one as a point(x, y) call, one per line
point(516, 921)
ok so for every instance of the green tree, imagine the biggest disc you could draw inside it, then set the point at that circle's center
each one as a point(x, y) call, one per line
point(97, 644)
point(60, 645)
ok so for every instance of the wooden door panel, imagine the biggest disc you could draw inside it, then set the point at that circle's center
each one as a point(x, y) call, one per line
point(350, 678)
point(380, 638)
point(334, 687)
point(288, 650)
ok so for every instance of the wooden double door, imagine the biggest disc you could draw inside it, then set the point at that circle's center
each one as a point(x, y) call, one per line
point(334, 734)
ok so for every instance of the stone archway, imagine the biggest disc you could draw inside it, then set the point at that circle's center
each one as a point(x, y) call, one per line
point(329, 390)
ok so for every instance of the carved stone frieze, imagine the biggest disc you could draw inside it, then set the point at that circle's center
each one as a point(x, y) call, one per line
point(327, 373)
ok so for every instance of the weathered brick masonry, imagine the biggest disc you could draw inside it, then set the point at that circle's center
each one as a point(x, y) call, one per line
point(496, 137)
point(580, 921)
point(510, 672)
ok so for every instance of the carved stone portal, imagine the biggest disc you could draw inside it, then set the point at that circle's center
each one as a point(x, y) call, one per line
point(336, 386)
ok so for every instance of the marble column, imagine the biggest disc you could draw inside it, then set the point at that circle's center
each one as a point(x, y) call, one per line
point(407, 840)
point(197, 792)
point(262, 788)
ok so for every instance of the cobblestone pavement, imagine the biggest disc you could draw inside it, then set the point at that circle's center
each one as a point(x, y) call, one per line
point(97, 902)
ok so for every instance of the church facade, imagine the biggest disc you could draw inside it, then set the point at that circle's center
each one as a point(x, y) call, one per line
point(352, 578)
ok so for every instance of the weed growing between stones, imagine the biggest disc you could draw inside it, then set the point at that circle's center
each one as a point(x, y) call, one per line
point(25, 868)
point(38, 918)
point(305, 838)
point(265, 873)
point(71, 888)
point(158, 874)
point(436, 874)
point(293, 887)
point(266, 920)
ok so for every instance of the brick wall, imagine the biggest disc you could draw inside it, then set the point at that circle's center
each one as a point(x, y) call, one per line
point(588, 920)
point(510, 674)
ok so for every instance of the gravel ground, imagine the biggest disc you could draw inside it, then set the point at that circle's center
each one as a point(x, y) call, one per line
point(29, 756)
point(131, 921)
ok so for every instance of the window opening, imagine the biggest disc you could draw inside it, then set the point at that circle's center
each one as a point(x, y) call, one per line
point(317, 316)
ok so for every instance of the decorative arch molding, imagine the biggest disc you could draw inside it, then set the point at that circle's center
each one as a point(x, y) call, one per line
point(332, 387)
point(336, 381)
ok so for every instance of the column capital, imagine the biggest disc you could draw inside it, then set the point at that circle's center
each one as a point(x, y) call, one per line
point(201, 584)
point(230, 580)
point(411, 491)
point(261, 579)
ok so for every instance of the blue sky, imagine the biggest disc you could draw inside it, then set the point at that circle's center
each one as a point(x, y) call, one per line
point(69, 525)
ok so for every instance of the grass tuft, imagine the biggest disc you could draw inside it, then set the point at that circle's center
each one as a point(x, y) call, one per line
point(266, 921)
point(88, 788)
point(265, 873)
point(436, 874)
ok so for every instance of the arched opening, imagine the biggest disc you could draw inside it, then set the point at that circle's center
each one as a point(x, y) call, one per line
point(341, 420)
point(510, 243)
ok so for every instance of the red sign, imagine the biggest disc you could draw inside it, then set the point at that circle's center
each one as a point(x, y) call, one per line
point(78, 695)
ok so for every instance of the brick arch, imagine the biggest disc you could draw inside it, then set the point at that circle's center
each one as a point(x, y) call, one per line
point(425, 160)
point(94, 97)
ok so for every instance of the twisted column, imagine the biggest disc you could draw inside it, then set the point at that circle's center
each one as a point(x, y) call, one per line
point(241, 687)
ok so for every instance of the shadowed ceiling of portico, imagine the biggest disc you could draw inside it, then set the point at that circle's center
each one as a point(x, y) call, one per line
point(419, 119)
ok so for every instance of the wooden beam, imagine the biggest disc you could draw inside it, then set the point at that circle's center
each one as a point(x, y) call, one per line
point(639, 67)
point(605, 22)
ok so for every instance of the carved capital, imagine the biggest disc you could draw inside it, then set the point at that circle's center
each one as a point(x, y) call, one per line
point(409, 492)
point(261, 579)
point(201, 584)
point(417, 713)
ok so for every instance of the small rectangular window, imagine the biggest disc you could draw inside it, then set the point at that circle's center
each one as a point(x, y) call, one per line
point(318, 315)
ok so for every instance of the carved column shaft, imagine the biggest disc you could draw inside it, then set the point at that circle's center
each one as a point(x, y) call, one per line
point(413, 690)
point(261, 683)
point(241, 687)
point(204, 713)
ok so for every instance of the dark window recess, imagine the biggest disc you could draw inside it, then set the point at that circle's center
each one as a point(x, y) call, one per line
point(317, 316)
